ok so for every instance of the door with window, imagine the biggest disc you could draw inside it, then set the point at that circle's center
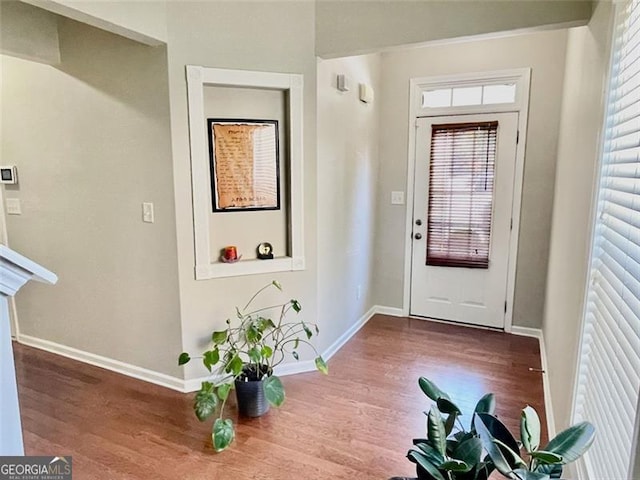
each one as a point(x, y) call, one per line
point(463, 197)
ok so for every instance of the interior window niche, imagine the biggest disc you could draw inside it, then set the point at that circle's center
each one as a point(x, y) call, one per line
point(261, 112)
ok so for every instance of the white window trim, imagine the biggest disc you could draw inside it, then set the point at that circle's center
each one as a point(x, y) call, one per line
point(206, 265)
point(522, 78)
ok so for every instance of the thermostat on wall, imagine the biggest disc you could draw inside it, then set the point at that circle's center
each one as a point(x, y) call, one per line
point(9, 174)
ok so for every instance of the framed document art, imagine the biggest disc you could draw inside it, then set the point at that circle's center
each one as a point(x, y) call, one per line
point(245, 164)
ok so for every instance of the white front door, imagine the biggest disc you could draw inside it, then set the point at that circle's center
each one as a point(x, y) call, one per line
point(462, 206)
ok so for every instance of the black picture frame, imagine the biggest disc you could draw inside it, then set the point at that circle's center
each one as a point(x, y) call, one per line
point(217, 205)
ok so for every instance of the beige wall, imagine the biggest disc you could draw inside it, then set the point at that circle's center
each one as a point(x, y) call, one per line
point(263, 36)
point(142, 21)
point(90, 139)
point(354, 27)
point(578, 146)
point(28, 32)
point(347, 183)
point(544, 52)
point(246, 230)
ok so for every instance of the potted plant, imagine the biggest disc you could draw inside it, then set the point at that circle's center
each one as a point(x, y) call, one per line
point(542, 463)
point(449, 455)
point(449, 451)
point(243, 357)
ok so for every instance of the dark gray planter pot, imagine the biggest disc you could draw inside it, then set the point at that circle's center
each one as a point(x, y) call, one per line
point(251, 399)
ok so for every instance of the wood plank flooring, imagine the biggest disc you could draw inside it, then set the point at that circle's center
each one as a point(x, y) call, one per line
point(357, 423)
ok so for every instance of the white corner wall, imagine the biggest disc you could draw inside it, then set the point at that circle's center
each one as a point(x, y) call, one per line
point(91, 142)
point(578, 149)
point(544, 53)
point(259, 36)
point(347, 178)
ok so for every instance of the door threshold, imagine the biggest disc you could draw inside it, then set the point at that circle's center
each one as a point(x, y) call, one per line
point(454, 322)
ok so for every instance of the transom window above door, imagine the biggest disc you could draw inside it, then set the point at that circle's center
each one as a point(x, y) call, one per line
point(469, 95)
point(484, 92)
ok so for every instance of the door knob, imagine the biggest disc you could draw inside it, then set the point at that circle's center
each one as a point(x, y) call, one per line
point(417, 236)
point(418, 222)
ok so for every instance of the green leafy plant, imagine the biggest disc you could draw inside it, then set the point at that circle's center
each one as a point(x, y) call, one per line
point(541, 463)
point(248, 350)
point(458, 455)
point(450, 452)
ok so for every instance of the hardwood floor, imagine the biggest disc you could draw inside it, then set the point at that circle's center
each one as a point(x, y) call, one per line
point(357, 423)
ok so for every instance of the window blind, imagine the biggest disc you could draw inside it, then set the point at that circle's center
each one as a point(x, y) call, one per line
point(609, 372)
point(461, 178)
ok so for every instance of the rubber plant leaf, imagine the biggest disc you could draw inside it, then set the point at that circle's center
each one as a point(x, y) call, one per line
point(435, 431)
point(431, 453)
point(525, 474)
point(554, 471)
point(205, 402)
point(469, 451)
point(455, 465)
point(572, 442)
point(489, 444)
point(223, 434)
point(183, 358)
point(449, 423)
point(548, 458)
point(431, 390)
point(425, 463)
point(447, 406)
point(513, 457)
point(499, 431)
point(530, 429)
point(487, 404)
point(274, 390)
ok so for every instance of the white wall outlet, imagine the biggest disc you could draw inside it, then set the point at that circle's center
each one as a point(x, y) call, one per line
point(13, 206)
point(397, 198)
point(359, 292)
point(147, 212)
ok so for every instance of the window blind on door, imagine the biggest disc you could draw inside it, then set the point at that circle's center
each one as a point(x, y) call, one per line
point(461, 179)
point(609, 370)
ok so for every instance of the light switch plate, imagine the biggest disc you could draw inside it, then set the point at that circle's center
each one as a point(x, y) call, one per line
point(13, 206)
point(147, 212)
point(397, 198)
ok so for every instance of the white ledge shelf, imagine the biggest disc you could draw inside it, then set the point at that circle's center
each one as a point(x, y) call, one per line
point(249, 267)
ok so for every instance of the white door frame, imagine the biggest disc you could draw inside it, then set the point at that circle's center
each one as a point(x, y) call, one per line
point(522, 78)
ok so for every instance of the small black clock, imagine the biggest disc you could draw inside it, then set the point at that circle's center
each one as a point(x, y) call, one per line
point(265, 251)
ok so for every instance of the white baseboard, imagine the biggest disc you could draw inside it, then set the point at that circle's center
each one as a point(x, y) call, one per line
point(548, 405)
point(391, 311)
point(346, 336)
point(305, 366)
point(140, 373)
